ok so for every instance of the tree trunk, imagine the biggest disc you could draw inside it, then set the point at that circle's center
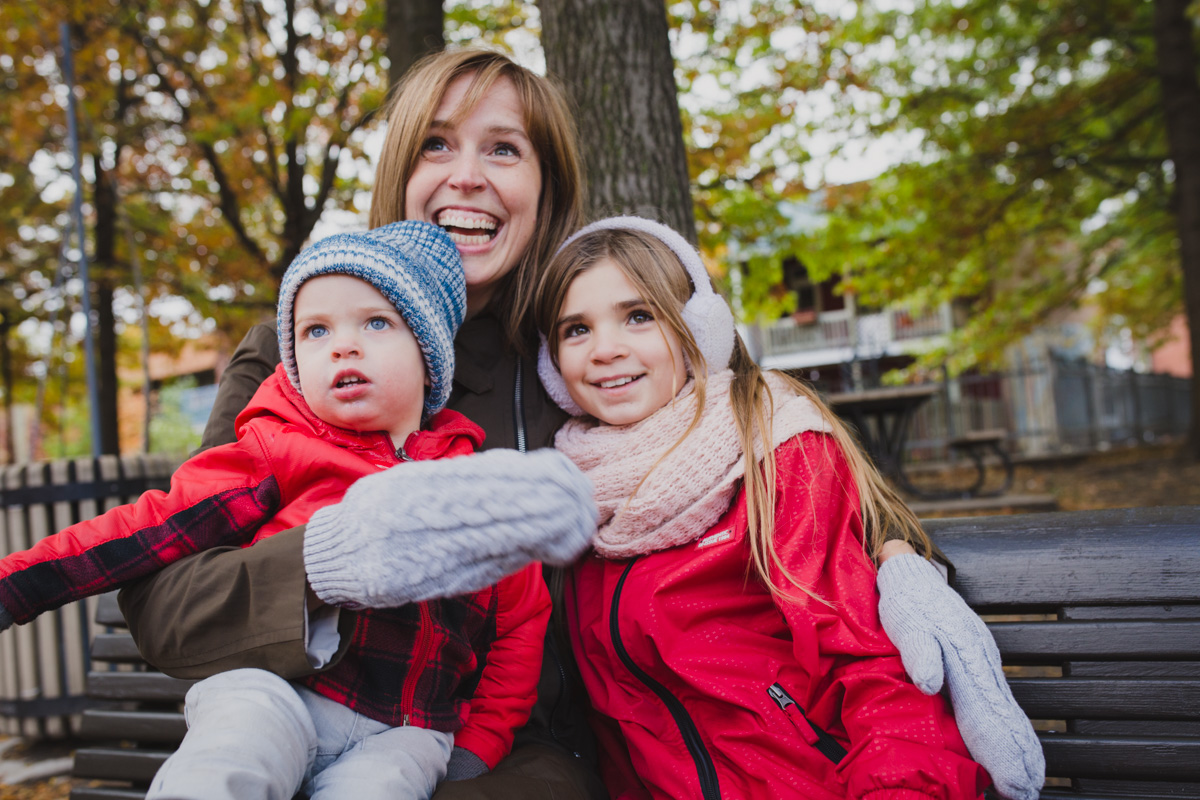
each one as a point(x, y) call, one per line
point(614, 59)
point(104, 266)
point(1181, 103)
point(6, 370)
point(414, 29)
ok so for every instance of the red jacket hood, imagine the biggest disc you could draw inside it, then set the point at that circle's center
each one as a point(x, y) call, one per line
point(445, 434)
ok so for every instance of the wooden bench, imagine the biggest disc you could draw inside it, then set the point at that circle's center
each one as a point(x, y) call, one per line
point(1099, 620)
point(1106, 644)
point(139, 722)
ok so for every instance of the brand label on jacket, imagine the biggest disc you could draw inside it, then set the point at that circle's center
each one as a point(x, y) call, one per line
point(715, 538)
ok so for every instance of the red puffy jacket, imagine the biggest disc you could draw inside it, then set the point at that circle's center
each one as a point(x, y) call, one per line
point(705, 686)
point(468, 664)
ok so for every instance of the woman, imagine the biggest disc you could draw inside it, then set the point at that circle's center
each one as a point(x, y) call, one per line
point(486, 149)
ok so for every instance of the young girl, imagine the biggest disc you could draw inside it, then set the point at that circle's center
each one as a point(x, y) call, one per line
point(726, 626)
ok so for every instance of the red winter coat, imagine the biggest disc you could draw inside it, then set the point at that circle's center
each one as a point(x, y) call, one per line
point(702, 681)
point(432, 663)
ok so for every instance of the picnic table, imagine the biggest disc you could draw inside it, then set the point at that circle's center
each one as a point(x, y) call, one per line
point(883, 418)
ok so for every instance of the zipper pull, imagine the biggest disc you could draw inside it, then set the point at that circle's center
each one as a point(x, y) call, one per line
point(403, 455)
point(780, 696)
point(788, 705)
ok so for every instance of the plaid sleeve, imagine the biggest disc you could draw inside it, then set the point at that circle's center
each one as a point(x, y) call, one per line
point(219, 497)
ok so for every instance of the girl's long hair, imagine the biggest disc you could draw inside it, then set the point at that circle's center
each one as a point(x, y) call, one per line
point(656, 273)
point(551, 130)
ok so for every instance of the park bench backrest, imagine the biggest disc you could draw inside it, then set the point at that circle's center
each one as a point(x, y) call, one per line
point(1108, 642)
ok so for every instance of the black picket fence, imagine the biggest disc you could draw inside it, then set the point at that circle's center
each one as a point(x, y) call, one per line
point(44, 664)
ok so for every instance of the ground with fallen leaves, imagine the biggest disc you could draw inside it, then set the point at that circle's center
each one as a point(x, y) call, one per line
point(1145, 476)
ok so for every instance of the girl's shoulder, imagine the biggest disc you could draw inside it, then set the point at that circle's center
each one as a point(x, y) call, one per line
point(812, 462)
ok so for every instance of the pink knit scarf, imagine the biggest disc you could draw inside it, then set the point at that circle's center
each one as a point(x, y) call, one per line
point(689, 489)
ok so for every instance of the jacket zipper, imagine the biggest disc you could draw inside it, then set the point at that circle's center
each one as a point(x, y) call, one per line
point(809, 731)
point(710, 788)
point(519, 408)
point(519, 431)
point(420, 656)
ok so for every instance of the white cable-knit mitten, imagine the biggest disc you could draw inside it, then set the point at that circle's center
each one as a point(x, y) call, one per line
point(431, 529)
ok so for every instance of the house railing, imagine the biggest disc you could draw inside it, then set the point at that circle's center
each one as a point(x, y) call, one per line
point(867, 333)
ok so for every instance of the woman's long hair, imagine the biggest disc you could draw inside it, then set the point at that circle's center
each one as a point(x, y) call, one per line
point(656, 273)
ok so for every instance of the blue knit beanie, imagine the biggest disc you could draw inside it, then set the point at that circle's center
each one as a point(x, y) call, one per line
point(415, 266)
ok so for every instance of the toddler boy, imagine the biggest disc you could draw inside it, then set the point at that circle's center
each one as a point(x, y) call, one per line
point(366, 329)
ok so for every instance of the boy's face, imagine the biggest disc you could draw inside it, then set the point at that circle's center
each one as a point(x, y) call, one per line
point(360, 366)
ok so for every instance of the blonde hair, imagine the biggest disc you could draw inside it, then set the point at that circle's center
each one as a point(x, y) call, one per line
point(662, 282)
point(551, 130)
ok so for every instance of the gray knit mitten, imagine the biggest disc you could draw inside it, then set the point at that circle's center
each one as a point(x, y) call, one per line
point(464, 765)
point(936, 632)
point(433, 529)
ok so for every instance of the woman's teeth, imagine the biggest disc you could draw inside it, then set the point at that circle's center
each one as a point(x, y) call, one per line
point(461, 228)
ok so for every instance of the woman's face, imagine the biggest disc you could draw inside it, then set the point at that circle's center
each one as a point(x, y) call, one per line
point(480, 179)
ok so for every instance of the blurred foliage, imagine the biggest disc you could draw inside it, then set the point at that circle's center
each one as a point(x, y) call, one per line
point(217, 131)
point(1036, 177)
point(1042, 177)
point(171, 430)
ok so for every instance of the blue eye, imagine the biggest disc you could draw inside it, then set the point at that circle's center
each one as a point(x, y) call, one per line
point(433, 143)
point(377, 324)
point(316, 331)
point(506, 149)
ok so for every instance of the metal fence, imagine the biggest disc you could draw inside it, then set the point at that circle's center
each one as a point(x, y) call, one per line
point(1060, 406)
point(44, 664)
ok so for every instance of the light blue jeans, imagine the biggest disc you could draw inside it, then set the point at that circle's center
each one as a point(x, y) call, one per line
point(251, 734)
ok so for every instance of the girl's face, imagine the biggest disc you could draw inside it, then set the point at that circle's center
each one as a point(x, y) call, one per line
point(480, 179)
point(619, 364)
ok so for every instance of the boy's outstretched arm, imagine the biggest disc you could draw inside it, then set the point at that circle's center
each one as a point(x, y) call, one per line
point(390, 541)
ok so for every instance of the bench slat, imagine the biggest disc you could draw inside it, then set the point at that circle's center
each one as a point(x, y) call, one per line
point(106, 793)
point(1038, 562)
point(1056, 641)
point(114, 763)
point(136, 686)
point(115, 647)
point(108, 612)
point(1131, 727)
point(1130, 758)
point(1134, 669)
point(1108, 698)
point(1168, 792)
point(160, 727)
